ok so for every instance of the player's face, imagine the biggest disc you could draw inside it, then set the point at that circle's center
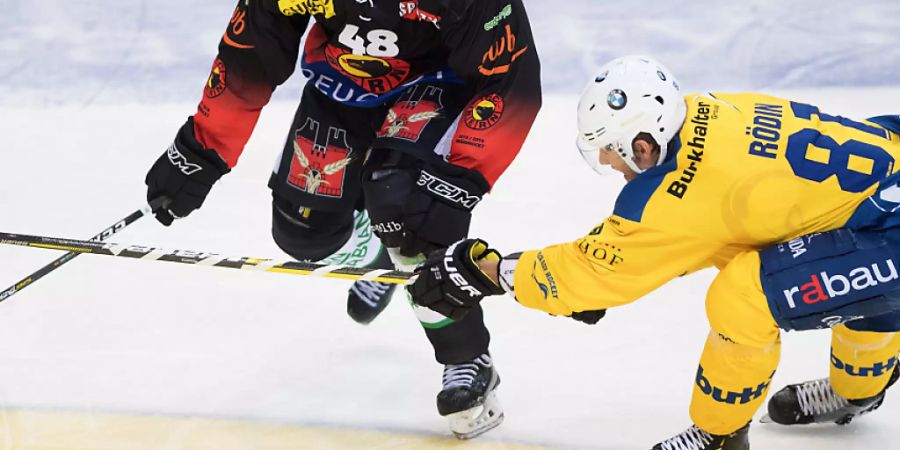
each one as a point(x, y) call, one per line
point(613, 160)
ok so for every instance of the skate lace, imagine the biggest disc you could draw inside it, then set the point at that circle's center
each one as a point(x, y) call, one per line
point(691, 439)
point(463, 375)
point(817, 397)
point(370, 292)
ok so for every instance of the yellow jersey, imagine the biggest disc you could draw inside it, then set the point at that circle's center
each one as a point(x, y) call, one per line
point(746, 171)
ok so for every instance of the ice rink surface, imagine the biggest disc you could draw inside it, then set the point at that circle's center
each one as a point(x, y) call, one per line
point(85, 114)
point(116, 335)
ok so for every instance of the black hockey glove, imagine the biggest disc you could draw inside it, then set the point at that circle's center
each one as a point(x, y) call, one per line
point(450, 281)
point(184, 173)
point(439, 208)
point(589, 317)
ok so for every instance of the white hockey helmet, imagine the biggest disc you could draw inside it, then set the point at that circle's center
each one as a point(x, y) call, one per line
point(632, 95)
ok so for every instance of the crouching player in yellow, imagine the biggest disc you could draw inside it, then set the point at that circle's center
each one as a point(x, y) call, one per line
point(796, 207)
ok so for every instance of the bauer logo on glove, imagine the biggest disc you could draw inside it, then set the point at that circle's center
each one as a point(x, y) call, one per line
point(451, 281)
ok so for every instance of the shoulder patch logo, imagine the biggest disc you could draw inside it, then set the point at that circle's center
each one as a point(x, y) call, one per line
point(215, 84)
point(484, 112)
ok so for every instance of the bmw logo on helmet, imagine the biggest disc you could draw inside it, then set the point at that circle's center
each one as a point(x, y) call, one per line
point(617, 99)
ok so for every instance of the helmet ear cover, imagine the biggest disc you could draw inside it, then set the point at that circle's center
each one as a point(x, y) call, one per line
point(633, 95)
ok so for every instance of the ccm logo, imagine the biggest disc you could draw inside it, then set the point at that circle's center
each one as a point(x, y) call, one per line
point(822, 286)
point(178, 160)
point(450, 192)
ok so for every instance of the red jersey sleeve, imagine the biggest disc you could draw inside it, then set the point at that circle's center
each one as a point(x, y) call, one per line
point(491, 47)
point(257, 52)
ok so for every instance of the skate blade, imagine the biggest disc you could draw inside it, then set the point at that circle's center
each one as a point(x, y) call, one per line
point(766, 419)
point(476, 421)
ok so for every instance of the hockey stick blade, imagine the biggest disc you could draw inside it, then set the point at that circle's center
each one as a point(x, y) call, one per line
point(101, 236)
point(207, 259)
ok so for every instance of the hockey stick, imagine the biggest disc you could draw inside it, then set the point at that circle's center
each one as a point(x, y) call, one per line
point(207, 259)
point(101, 236)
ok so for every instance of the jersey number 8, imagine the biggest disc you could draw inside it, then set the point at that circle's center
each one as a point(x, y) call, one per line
point(871, 163)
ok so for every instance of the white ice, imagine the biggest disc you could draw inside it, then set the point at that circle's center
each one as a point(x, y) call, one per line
point(115, 335)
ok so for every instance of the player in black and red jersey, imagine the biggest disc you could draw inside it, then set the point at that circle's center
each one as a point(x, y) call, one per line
point(412, 111)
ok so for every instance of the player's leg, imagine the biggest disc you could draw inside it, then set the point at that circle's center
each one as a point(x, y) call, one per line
point(862, 364)
point(863, 367)
point(412, 140)
point(738, 361)
point(365, 299)
point(825, 280)
point(741, 352)
point(864, 358)
point(316, 190)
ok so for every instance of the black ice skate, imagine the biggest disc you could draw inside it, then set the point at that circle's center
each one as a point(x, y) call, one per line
point(367, 299)
point(816, 402)
point(468, 398)
point(696, 439)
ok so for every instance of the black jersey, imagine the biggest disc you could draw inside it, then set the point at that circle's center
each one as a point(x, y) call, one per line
point(363, 53)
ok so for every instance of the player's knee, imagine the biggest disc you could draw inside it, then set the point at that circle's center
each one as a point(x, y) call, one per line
point(736, 306)
point(309, 234)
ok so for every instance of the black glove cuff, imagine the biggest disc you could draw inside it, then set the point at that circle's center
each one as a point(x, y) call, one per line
point(184, 174)
point(438, 211)
point(189, 156)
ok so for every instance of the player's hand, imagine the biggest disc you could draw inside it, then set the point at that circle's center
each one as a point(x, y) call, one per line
point(589, 317)
point(184, 173)
point(439, 208)
point(451, 282)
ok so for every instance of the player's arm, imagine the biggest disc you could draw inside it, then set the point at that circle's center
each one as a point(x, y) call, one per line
point(257, 52)
point(617, 263)
point(490, 47)
point(492, 50)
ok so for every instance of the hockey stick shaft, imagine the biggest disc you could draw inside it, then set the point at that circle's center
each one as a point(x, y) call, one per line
point(56, 263)
point(206, 259)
